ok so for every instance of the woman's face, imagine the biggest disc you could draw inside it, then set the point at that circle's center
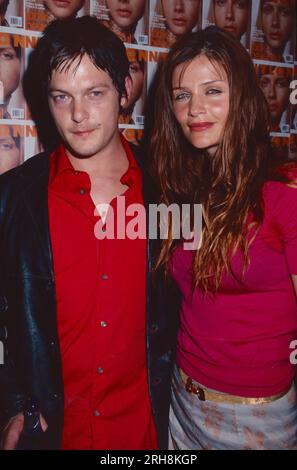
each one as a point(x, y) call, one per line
point(10, 70)
point(63, 8)
point(232, 16)
point(276, 89)
point(137, 76)
point(9, 154)
point(126, 13)
point(277, 22)
point(181, 15)
point(201, 102)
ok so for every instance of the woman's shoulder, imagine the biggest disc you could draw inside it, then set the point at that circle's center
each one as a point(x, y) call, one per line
point(283, 179)
point(280, 191)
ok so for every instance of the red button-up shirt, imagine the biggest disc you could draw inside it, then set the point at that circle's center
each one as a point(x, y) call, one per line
point(100, 288)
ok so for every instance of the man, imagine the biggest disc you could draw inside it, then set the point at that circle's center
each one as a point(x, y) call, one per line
point(86, 340)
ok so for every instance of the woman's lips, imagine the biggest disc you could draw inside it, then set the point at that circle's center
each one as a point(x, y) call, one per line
point(274, 36)
point(62, 3)
point(124, 13)
point(200, 126)
point(178, 21)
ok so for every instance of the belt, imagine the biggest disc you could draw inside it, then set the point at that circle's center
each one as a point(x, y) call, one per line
point(204, 394)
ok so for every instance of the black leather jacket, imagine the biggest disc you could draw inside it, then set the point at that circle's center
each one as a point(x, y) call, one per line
point(32, 365)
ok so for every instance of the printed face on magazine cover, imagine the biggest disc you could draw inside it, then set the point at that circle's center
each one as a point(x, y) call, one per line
point(181, 15)
point(232, 15)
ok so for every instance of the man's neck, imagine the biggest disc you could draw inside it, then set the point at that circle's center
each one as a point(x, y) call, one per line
point(109, 161)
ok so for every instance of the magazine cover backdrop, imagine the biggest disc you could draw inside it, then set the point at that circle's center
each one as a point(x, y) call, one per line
point(267, 29)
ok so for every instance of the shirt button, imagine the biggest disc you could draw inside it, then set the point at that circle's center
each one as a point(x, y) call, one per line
point(104, 277)
point(96, 413)
point(100, 370)
point(82, 191)
point(76, 172)
point(103, 324)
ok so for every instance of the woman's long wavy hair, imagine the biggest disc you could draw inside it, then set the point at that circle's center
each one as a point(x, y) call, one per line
point(228, 184)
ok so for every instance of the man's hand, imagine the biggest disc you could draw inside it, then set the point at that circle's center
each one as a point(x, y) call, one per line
point(12, 431)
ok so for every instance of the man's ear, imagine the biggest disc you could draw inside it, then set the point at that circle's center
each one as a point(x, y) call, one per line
point(128, 85)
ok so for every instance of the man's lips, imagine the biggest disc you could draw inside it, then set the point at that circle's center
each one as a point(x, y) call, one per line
point(200, 126)
point(123, 13)
point(83, 133)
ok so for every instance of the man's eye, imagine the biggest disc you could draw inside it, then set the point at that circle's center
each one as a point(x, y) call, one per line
point(60, 98)
point(96, 93)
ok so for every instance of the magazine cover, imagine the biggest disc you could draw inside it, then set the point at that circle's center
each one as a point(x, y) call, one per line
point(133, 113)
point(293, 99)
point(275, 82)
point(12, 13)
point(128, 19)
point(170, 19)
point(280, 144)
point(12, 58)
point(273, 30)
point(32, 145)
point(133, 136)
point(233, 17)
point(11, 146)
point(38, 13)
point(293, 145)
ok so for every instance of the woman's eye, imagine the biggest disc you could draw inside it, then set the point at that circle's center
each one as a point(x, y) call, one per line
point(181, 96)
point(213, 91)
point(7, 55)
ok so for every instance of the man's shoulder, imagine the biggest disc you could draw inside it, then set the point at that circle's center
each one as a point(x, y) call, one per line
point(29, 169)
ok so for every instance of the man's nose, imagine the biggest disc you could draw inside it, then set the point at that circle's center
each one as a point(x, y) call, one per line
point(79, 110)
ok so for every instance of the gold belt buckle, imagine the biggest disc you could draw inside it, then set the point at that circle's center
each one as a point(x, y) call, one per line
point(191, 388)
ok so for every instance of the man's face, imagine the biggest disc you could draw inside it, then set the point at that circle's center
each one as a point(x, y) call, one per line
point(277, 23)
point(9, 153)
point(85, 107)
point(181, 15)
point(276, 89)
point(125, 13)
point(232, 16)
point(63, 8)
point(10, 71)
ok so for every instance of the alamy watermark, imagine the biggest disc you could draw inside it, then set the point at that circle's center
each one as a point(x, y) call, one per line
point(135, 222)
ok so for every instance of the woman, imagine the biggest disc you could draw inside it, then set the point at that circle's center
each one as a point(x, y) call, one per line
point(124, 18)
point(276, 20)
point(232, 15)
point(233, 380)
point(177, 18)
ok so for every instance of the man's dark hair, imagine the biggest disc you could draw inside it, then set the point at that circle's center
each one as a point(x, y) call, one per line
point(63, 42)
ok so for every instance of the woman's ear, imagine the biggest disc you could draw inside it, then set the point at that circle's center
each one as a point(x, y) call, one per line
point(125, 99)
